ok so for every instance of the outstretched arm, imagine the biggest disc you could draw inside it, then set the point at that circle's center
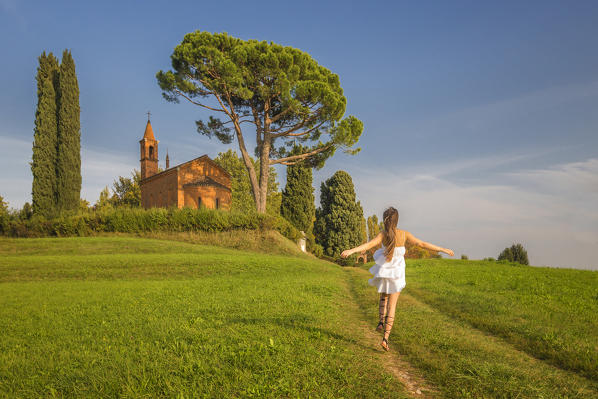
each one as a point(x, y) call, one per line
point(426, 245)
point(363, 247)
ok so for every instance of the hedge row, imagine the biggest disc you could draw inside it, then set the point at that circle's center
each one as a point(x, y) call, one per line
point(135, 220)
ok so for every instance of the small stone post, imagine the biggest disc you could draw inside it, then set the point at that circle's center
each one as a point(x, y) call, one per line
point(302, 241)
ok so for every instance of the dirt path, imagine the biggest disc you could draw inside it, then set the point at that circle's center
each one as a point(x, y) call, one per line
point(411, 379)
point(414, 383)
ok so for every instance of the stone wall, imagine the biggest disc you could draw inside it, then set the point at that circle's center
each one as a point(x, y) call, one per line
point(211, 197)
point(160, 190)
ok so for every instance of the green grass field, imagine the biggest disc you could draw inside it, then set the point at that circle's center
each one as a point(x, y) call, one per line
point(131, 317)
point(139, 317)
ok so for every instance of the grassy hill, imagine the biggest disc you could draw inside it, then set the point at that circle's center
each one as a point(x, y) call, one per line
point(132, 317)
point(484, 329)
point(146, 317)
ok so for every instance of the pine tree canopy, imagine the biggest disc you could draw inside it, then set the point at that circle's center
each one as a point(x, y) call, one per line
point(339, 218)
point(280, 93)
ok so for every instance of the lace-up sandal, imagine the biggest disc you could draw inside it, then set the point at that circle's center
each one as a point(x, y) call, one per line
point(380, 326)
point(384, 344)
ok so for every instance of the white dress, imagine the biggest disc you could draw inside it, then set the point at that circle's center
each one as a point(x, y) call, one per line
point(389, 276)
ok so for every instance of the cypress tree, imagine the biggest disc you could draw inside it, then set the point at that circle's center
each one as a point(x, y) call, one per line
point(373, 227)
point(338, 219)
point(364, 231)
point(43, 165)
point(298, 201)
point(68, 165)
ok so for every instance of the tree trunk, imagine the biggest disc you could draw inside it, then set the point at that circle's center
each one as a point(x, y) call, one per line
point(248, 164)
point(264, 174)
point(259, 188)
point(255, 188)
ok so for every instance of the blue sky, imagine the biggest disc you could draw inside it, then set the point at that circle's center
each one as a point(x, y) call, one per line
point(480, 117)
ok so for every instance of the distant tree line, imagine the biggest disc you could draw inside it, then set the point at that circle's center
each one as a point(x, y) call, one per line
point(56, 160)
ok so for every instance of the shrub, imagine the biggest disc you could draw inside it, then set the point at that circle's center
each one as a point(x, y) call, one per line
point(317, 250)
point(415, 252)
point(464, 257)
point(516, 253)
point(350, 261)
point(286, 228)
point(135, 220)
point(26, 212)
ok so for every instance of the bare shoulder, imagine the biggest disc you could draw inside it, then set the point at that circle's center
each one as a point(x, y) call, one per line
point(408, 236)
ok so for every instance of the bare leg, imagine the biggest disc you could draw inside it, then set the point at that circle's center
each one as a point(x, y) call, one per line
point(382, 305)
point(390, 317)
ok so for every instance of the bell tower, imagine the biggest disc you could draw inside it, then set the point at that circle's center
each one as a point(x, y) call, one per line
point(149, 152)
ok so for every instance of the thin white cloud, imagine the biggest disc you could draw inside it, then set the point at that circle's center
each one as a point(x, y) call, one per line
point(575, 178)
point(15, 172)
point(98, 169)
point(553, 211)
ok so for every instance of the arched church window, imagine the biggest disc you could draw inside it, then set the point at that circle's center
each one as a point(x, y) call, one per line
point(198, 202)
point(217, 203)
point(151, 151)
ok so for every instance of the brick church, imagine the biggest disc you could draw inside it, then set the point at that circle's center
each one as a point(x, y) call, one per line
point(195, 183)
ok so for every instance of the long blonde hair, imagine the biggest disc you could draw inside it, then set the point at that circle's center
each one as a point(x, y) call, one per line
point(389, 235)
